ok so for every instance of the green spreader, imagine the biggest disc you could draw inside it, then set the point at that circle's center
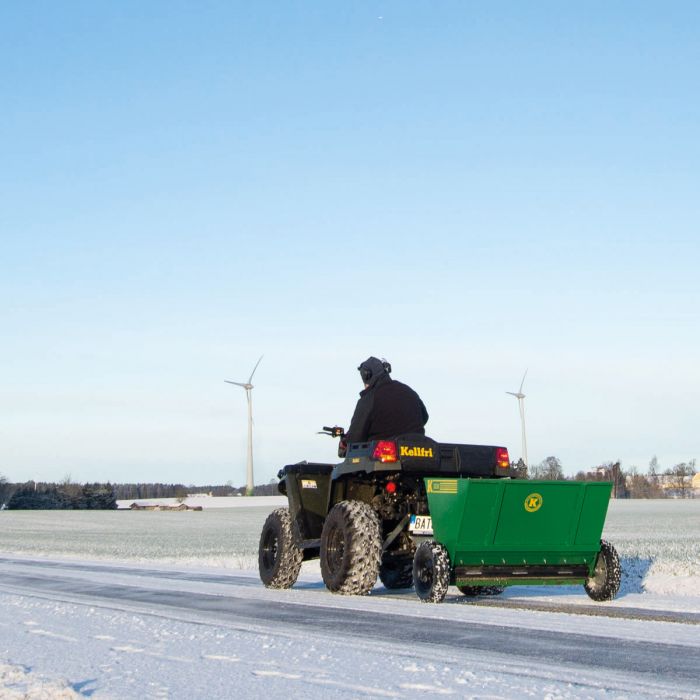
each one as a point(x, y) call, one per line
point(502, 532)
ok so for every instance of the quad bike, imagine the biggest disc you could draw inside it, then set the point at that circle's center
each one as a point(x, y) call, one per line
point(414, 512)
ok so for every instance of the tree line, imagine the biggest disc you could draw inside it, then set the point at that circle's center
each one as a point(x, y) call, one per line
point(674, 482)
point(63, 496)
point(69, 495)
point(627, 483)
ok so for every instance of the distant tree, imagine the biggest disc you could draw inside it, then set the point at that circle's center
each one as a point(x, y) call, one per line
point(549, 468)
point(679, 478)
point(66, 495)
point(33, 496)
point(519, 469)
point(610, 471)
point(71, 493)
point(640, 486)
point(103, 497)
point(95, 497)
point(618, 478)
point(6, 490)
point(653, 474)
point(269, 489)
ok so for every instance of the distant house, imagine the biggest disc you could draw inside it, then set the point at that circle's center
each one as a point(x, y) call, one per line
point(695, 485)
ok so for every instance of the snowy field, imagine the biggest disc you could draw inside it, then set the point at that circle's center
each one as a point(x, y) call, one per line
point(95, 625)
point(658, 541)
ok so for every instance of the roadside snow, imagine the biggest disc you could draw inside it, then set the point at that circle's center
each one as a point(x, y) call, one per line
point(112, 648)
point(20, 683)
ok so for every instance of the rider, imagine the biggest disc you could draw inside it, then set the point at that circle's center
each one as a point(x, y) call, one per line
point(386, 407)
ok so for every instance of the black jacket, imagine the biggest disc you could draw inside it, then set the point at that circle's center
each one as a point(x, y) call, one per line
point(386, 408)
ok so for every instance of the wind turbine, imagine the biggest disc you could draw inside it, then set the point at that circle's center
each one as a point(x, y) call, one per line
point(249, 395)
point(521, 405)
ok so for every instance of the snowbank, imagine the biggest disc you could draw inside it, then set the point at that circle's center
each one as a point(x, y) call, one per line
point(20, 683)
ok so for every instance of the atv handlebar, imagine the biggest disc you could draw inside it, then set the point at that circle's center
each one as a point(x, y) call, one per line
point(335, 431)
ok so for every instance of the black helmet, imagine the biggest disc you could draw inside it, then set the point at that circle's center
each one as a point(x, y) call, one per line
point(373, 367)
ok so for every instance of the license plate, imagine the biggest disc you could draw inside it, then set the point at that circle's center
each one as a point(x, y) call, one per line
point(421, 525)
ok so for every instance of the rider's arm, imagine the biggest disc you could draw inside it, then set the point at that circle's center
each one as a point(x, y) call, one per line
point(361, 420)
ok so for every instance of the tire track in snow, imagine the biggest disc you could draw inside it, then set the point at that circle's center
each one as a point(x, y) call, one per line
point(600, 610)
point(252, 581)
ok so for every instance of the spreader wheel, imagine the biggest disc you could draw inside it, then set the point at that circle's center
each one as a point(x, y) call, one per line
point(605, 582)
point(431, 571)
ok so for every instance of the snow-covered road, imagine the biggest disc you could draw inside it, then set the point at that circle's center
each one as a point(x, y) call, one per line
point(113, 630)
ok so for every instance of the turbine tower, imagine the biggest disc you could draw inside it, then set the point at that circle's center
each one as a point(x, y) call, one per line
point(249, 395)
point(521, 405)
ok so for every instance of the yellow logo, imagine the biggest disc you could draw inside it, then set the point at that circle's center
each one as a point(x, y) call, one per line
point(533, 502)
point(435, 486)
point(416, 451)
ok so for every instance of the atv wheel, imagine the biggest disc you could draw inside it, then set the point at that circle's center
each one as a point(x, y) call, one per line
point(474, 591)
point(396, 571)
point(279, 559)
point(431, 571)
point(605, 582)
point(351, 548)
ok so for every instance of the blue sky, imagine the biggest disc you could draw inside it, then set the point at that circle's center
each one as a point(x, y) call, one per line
point(469, 189)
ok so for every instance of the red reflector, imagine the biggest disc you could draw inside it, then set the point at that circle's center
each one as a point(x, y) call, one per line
point(502, 458)
point(385, 451)
point(390, 487)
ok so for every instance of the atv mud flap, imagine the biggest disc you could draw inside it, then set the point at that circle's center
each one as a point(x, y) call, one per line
point(508, 532)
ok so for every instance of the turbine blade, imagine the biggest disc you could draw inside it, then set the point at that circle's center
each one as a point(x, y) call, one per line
point(523, 382)
point(512, 393)
point(254, 368)
point(228, 381)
